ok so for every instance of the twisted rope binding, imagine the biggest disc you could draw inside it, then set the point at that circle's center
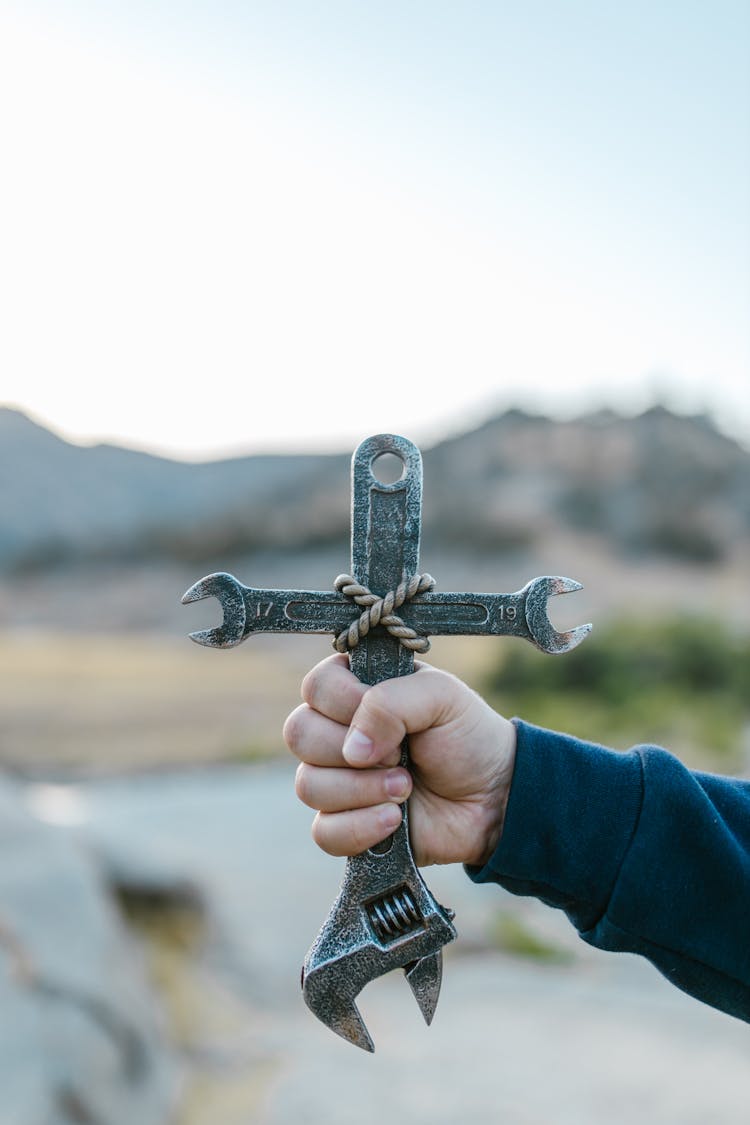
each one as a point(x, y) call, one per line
point(379, 611)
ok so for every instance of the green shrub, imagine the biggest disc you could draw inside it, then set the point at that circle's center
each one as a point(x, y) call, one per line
point(682, 681)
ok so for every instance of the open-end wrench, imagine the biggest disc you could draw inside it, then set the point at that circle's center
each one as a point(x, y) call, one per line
point(384, 916)
point(249, 609)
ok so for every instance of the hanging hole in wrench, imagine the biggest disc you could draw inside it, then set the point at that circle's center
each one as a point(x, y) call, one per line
point(387, 468)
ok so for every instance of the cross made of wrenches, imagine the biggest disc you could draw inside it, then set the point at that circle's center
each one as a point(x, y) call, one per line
point(384, 916)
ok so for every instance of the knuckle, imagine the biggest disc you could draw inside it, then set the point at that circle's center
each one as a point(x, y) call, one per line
point(311, 687)
point(290, 731)
point(302, 786)
point(295, 727)
point(317, 833)
point(322, 837)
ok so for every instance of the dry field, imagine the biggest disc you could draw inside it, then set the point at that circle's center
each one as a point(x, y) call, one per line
point(100, 702)
point(96, 703)
point(97, 674)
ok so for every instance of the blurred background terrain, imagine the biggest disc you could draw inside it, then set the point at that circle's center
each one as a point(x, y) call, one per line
point(164, 761)
point(651, 513)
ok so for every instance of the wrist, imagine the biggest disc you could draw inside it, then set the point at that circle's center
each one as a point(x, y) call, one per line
point(497, 792)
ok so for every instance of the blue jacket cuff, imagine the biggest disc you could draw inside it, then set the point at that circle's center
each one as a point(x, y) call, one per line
point(572, 812)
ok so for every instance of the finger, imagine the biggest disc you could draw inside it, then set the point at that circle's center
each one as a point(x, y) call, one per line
point(338, 790)
point(394, 708)
point(349, 833)
point(314, 738)
point(332, 689)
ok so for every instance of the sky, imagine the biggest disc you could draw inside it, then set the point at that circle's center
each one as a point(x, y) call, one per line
point(238, 226)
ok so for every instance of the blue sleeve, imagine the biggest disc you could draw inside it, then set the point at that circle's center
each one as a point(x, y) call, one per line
point(642, 854)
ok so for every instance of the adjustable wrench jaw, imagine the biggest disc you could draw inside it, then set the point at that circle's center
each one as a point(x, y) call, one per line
point(383, 918)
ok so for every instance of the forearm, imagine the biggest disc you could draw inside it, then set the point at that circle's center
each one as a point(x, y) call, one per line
point(643, 856)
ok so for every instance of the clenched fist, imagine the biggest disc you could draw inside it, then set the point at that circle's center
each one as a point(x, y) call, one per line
point(348, 737)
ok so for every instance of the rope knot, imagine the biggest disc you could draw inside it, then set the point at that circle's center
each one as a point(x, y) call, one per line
point(379, 611)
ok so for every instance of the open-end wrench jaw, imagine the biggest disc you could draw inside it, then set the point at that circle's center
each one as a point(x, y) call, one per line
point(383, 918)
point(541, 630)
point(230, 594)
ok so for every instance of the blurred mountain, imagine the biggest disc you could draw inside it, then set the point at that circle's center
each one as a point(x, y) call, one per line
point(61, 502)
point(658, 483)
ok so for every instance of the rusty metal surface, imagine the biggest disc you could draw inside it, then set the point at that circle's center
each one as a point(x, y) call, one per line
point(249, 610)
point(384, 916)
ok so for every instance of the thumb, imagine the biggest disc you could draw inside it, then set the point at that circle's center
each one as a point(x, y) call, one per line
point(392, 709)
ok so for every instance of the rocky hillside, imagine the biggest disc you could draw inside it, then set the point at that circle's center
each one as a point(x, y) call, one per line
point(658, 483)
point(61, 502)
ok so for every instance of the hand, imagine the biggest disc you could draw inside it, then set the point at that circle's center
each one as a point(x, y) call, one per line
point(348, 736)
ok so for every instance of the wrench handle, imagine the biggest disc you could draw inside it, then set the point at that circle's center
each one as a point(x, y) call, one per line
point(386, 530)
